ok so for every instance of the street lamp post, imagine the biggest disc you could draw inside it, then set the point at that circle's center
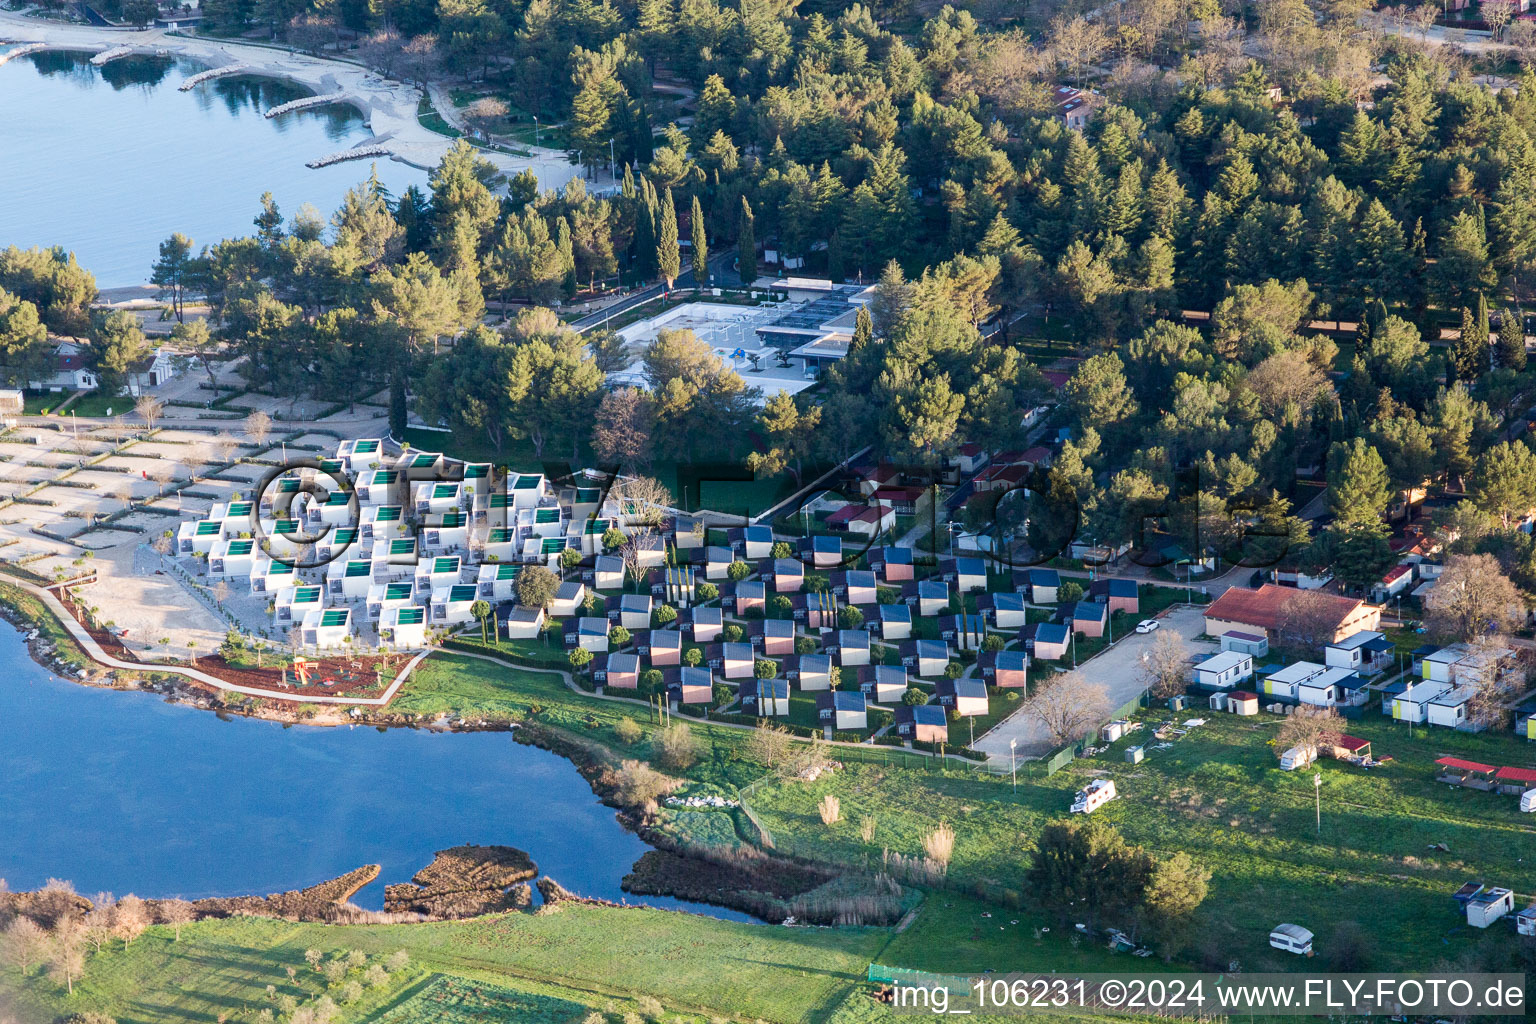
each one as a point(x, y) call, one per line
point(1013, 761)
point(535, 130)
point(1317, 791)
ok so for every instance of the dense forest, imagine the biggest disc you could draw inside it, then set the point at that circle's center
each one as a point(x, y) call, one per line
point(1270, 167)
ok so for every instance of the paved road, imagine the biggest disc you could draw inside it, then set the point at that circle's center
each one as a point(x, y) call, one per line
point(1118, 669)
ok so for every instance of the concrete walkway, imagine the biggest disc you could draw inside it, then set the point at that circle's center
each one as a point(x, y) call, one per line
point(1117, 668)
point(94, 651)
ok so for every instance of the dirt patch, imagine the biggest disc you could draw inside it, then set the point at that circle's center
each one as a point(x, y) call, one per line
point(466, 881)
point(758, 885)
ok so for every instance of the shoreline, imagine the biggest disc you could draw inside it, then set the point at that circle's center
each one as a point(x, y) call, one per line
point(388, 106)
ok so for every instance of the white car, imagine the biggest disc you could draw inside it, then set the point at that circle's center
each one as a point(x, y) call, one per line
point(1147, 625)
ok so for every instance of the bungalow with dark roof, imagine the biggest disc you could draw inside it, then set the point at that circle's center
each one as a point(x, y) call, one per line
point(687, 685)
point(1254, 644)
point(522, 622)
point(633, 611)
point(843, 710)
point(1366, 651)
point(1090, 618)
point(706, 624)
point(621, 671)
point(734, 660)
point(666, 647)
point(816, 610)
point(856, 586)
point(569, 596)
point(1005, 610)
point(1120, 595)
point(966, 697)
point(788, 575)
point(895, 621)
point(1045, 641)
point(930, 596)
point(765, 697)
point(823, 552)
point(774, 638)
point(1004, 668)
point(607, 572)
point(925, 657)
point(717, 562)
point(749, 595)
point(894, 564)
point(590, 633)
point(965, 574)
point(883, 684)
point(757, 542)
point(852, 647)
point(809, 671)
point(922, 723)
point(1039, 585)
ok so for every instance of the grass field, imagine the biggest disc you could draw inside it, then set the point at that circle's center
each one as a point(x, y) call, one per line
point(1218, 794)
point(535, 967)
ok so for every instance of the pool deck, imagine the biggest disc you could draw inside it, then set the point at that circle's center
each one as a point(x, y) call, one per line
point(388, 105)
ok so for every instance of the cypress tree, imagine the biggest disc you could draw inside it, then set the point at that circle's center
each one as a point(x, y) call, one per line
point(669, 259)
point(746, 245)
point(1512, 341)
point(700, 246)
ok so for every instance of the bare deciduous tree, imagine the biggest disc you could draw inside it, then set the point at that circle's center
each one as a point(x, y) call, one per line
point(258, 427)
point(1070, 707)
point(131, 918)
point(1077, 43)
point(1308, 727)
point(149, 409)
point(1494, 680)
point(1472, 598)
point(1166, 665)
point(632, 553)
point(769, 744)
point(177, 913)
point(24, 944)
point(644, 498)
point(1498, 13)
point(66, 952)
point(486, 113)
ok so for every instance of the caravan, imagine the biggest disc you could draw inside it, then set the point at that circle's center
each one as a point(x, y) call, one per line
point(1097, 793)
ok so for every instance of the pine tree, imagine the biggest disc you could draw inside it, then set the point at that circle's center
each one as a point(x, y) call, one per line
point(567, 255)
point(700, 246)
point(746, 245)
point(1469, 353)
point(669, 259)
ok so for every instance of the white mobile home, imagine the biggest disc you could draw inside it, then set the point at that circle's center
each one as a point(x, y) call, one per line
point(448, 532)
point(436, 573)
point(451, 605)
point(1412, 705)
point(380, 487)
point(232, 559)
point(1452, 709)
point(1223, 671)
point(326, 627)
point(293, 603)
point(1285, 682)
point(404, 628)
point(1366, 652)
point(350, 580)
point(498, 581)
point(385, 597)
point(269, 576)
point(381, 522)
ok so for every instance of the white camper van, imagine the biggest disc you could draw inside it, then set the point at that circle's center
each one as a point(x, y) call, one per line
point(1095, 795)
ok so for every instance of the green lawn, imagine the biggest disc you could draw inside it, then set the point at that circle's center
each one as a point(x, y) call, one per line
point(577, 958)
point(92, 403)
point(1218, 794)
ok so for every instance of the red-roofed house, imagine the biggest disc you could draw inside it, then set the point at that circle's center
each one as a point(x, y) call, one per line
point(1397, 581)
point(1288, 613)
point(1073, 106)
point(869, 520)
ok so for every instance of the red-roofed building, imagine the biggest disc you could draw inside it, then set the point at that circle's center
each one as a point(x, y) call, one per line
point(1073, 106)
point(1001, 478)
point(869, 520)
point(1397, 581)
point(1516, 780)
point(1287, 613)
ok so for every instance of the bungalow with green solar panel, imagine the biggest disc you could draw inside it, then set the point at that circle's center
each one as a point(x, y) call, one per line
point(269, 575)
point(325, 628)
point(198, 536)
point(349, 580)
point(450, 605)
point(448, 532)
point(285, 537)
point(590, 530)
point(543, 550)
point(477, 482)
point(384, 596)
point(500, 545)
point(360, 454)
point(421, 465)
point(337, 509)
point(232, 558)
point(294, 602)
point(404, 628)
point(433, 498)
point(340, 542)
point(380, 487)
point(544, 521)
point(497, 581)
point(278, 494)
point(582, 502)
point(434, 573)
point(381, 522)
point(395, 559)
point(527, 490)
point(237, 516)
